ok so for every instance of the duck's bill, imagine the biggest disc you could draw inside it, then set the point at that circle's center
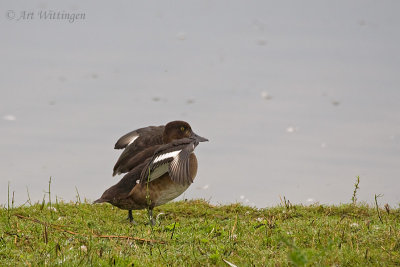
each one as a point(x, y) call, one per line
point(199, 138)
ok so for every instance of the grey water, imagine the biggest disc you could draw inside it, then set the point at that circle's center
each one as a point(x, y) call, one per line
point(296, 98)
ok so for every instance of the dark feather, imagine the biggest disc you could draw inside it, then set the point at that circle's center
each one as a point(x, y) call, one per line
point(132, 161)
point(124, 186)
point(147, 138)
point(149, 131)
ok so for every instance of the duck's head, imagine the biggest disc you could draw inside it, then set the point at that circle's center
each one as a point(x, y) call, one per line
point(180, 129)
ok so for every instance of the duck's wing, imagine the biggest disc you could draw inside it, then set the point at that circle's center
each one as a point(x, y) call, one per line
point(136, 142)
point(172, 158)
point(139, 135)
point(135, 159)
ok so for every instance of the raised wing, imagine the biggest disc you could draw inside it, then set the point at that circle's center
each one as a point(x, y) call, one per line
point(137, 142)
point(146, 132)
point(172, 158)
point(135, 159)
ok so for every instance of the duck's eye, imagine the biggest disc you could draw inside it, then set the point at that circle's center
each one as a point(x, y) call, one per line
point(182, 129)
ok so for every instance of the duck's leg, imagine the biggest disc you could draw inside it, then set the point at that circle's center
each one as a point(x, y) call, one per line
point(130, 217)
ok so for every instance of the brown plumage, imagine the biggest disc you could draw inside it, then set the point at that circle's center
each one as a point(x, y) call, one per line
point(157, 173)
point(138, 144)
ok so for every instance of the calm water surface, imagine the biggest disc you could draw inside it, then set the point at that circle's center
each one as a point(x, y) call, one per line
point(296, 99)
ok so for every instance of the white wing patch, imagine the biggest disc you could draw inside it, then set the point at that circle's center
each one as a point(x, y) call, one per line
point(133, 139)
point(172, 154)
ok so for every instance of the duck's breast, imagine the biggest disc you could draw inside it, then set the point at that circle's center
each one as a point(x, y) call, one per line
point(166, 190)
point(160, 190)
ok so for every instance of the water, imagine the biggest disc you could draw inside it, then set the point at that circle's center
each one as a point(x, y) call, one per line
point(296, 100)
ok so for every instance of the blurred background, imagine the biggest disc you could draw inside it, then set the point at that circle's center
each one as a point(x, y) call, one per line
point(296, 98)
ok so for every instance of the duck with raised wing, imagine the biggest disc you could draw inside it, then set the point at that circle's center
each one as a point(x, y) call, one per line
point(161, 165)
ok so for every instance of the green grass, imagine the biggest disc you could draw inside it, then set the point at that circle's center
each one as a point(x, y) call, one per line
point(194, 233)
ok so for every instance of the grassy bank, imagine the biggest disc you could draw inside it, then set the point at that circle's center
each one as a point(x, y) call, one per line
point(197, 233)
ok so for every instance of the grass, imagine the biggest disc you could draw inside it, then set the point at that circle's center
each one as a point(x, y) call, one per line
point(194, 233)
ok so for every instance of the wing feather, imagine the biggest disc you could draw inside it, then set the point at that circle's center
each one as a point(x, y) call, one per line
point(172, 158)
point(134, 143)
point(179, 167)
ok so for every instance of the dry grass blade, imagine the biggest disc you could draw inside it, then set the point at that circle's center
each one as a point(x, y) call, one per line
point(377, 207)
point(56, 227)
point(234, 226)
point(229, 263)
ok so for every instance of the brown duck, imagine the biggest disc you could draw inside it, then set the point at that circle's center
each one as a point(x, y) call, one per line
point(161, 165)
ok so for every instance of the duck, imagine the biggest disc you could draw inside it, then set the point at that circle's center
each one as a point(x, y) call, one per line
point(159, 163)
point(142, 143)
